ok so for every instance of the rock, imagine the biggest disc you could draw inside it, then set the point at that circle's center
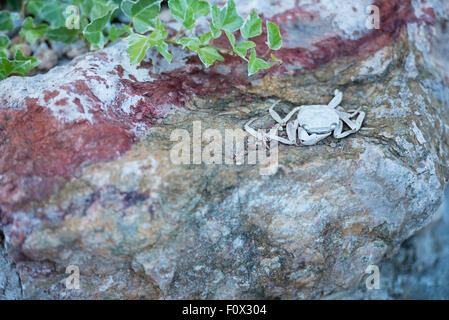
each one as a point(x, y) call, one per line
point(418, 271)
point(87, 176)
point(47, 57)
point(10, 288)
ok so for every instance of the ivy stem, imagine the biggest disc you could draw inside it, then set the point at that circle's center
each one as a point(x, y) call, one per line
point(23, 8)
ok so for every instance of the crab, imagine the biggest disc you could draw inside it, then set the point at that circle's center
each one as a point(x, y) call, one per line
point(312, 124)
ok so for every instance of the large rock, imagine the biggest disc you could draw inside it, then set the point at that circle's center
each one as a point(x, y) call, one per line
point(10, 288)
point(86, 177)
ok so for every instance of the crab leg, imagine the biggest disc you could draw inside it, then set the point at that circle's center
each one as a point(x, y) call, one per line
point(272, 135)
point(309, 140)
point(278, 118)
point(337, 99)
point(355, 126)
point(253, 132)
point(265, 136)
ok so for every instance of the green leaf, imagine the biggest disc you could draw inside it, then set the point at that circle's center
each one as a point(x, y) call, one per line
point(227, 18)
point(189, 19)
point(6, 22)
point(252, 26)
point(95, 9)
point(193, 44)
point(20, 65)
point(255, 64)
point(242, 48)
point(4, 45)
point(216, 32)
point(159, 34)
point(274, 36)
point(116, 32)
point(137, 47)
point(51, 11)
point(179, 8)
point(4, 42)
point(205, 38)
point(200, 8)
point(6, 68)
point(162, 48)
point(31, 32)
point(94, 32)
point(126, 7)
point(63, 34)
point(142, 13)
point(208, 56)
point(231, 38)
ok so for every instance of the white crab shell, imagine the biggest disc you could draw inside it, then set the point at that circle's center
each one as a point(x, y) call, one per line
point(318, 118)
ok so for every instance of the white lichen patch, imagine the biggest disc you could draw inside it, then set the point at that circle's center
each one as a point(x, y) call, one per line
point(376, 64)
point(268, 8)
point(418, 133)
point(348, 16)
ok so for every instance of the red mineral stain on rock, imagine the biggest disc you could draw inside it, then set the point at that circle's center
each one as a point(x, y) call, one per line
point(38, 152)
point(49, 95)
point(395, 15)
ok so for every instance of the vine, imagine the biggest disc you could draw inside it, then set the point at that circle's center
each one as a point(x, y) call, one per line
point(94, 21)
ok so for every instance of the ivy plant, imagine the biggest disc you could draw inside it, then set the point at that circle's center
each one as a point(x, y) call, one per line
point(95, 21)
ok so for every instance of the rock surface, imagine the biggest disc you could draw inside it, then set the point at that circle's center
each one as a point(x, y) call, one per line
point(418, 271)
point(10, 288)
point(86, 177)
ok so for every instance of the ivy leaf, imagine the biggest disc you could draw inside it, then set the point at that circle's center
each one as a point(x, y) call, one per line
point(205, 38)
point(51, 11)
point(126, 7)
point(227, 18)
point(159, 34)
point(6, 68)
point(95, 9)
point(274, 36)
point(4, 45)
point(137, 47)
point(4, 42)
point(179, 8)
point(31, 32)
point(189, 19)
point(20, 65)
point(216, 32)
point(6, 22)
point(231, 38)
point(162, 48)
point(142, 13)
point(139, 44)
point(252, 26)
point(23, 62)
point(208, 56)
point(116, 32)
point(200, 8)
point(242, 48)
point(192, 43)
point(255, 64)
point(94, 32)
point(63, 34)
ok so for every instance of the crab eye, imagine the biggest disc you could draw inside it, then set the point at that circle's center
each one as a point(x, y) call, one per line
point(333, 126)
